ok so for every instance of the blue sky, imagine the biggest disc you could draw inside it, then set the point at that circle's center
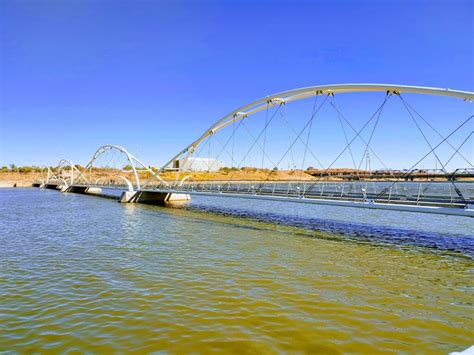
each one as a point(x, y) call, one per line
point(152, 75)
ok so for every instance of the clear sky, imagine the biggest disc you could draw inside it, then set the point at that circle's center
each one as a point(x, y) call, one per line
point(152, 75)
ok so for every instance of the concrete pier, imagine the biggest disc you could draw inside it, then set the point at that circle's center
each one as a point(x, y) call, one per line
point(127, 196)
point(50, 186)
point(146, 197)
point(93, 190)
point(84, 190)
point(154, 197)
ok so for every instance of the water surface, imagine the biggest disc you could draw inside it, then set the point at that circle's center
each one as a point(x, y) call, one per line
point(86, 273)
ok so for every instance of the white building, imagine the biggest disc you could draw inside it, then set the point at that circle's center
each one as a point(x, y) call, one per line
point(198, 164)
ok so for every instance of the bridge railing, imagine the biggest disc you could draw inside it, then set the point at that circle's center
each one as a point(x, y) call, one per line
point(413, 193)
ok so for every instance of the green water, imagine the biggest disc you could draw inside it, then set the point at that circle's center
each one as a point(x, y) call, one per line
point(89, 274)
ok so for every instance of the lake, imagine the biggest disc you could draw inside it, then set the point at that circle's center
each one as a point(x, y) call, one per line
point(86, 273)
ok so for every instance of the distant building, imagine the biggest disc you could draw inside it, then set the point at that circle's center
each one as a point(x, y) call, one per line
point(198, 164)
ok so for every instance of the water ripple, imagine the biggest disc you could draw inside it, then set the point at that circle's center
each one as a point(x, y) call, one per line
point(90, 275)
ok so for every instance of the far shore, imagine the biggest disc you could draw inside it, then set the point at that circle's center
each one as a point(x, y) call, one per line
point(9, 179)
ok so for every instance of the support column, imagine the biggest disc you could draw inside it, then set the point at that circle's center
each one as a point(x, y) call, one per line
point(160, 198)
point(127, 196)
point(93, 190)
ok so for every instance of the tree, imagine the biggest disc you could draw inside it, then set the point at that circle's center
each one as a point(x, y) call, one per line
point(25, 169)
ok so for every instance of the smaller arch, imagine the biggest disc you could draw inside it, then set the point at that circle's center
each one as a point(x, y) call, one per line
point(60, 167)
point(187, 177)
point(63, 185)
point(44, 175)
point(38, 177)
point(131, 159)
point(127, 182)
point(74, 171)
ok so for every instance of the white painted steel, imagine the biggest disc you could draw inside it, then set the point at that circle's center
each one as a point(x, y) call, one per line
point(278, 99)
point(61, 164)
point(129, 184)
point(298, 94)
point(131, 159)
point(43, 179)
point(73, 168)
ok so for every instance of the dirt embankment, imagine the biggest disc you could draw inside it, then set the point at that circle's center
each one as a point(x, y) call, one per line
point(20, 179)
point(9, 178)
point(12, 179)
point(246, 174)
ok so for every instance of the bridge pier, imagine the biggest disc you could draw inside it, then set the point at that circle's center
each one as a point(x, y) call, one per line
point(127, 196)
point(50, 186)
point(93, 190)
point(153, 197)
point(83, 190)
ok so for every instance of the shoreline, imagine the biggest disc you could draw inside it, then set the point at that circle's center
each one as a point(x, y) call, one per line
point(14, 184)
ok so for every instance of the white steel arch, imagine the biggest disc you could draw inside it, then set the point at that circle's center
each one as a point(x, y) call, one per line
point(131, 159)
point(127, 182)
point(311, 91)
point(62, 163)
point(43, 176)
point(74, 172)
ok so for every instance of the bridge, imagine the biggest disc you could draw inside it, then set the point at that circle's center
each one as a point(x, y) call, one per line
point(301, 146)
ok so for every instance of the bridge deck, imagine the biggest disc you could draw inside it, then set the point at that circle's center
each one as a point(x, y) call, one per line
point(428, 197)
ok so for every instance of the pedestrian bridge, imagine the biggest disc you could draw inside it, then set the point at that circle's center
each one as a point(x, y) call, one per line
point(373, 146)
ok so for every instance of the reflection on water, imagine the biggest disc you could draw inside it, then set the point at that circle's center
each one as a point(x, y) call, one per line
point(446, 233)
point(89, 274)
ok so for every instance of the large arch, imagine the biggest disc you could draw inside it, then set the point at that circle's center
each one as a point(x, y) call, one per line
point(311, 91)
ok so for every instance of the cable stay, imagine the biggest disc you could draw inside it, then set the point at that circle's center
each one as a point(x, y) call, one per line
point(337, 109)
point(265, 134)
point(290, 127)
point(411, 169)
point(459, 148)
point(255, 141)
point(379, 109)
point(298, 136)
point(345, 136)
point(456, 189)
point(307, 140)
point(437, 132)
